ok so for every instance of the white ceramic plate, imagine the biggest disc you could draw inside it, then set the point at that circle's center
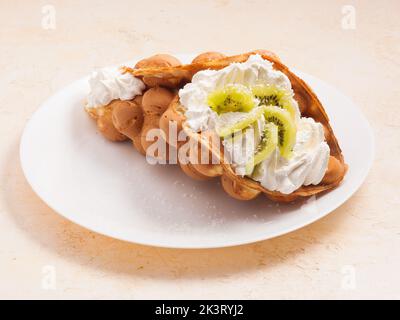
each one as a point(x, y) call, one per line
point(110, 188)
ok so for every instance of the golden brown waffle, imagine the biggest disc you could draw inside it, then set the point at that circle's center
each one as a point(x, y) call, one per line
point(160, 105)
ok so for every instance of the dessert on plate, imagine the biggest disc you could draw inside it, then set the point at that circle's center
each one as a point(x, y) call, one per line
point(249, 119)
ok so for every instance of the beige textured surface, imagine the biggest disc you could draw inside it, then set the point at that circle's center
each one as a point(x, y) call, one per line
point(361, 237)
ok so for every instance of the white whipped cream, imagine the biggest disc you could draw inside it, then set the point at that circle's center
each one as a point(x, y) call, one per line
point(110, 84)
point(193, 96)
point(311, 153)
point(307, 165)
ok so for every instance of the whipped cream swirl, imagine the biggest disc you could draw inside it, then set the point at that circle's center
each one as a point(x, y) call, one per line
point(306, 166)
point(254, 71)
point(110, 84)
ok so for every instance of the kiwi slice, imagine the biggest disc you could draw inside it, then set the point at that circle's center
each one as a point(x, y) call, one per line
point(231, 122)
point(232, 98)
point(271, 95)
point(286, 128)
point(267, 144)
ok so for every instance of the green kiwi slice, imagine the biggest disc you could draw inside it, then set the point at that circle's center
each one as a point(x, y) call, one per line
point(271, 95)
point(232, 98)
point(231, 122)
point(286, 128)
point(267, 144)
